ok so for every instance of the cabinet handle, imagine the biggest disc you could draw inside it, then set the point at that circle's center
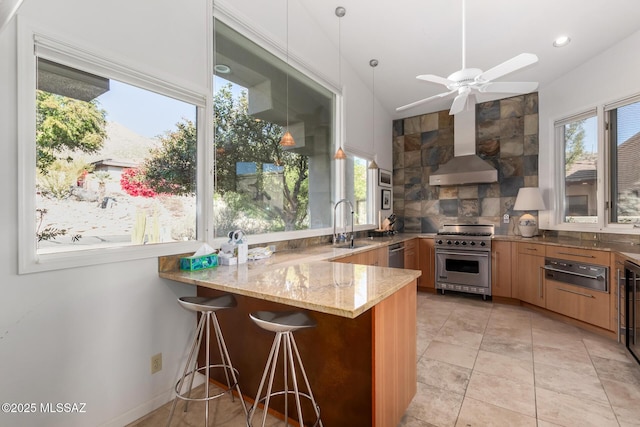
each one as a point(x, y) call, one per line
point(578, 255)
point(540, 282)
point(618, 303)
point(495, 262)
point(575, 292)
point(531, 249)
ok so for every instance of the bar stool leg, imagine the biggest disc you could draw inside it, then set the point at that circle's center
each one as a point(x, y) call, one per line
point(206, 319)
point(306, 381)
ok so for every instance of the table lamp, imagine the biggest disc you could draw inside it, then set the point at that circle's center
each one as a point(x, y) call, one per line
point(529, 199)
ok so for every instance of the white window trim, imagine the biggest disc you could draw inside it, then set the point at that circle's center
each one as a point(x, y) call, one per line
point(73, 54)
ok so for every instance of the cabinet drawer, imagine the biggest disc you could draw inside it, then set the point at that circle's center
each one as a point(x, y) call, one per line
point(410, 244)
point(580, 303)
point(582, 255)
point(531, 248)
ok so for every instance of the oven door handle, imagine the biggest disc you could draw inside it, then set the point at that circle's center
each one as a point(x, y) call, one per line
point(475, 254)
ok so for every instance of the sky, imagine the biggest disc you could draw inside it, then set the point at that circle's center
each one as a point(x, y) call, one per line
point(142, 111)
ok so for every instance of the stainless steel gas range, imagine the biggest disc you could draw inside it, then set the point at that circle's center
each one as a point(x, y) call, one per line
point(463, 258)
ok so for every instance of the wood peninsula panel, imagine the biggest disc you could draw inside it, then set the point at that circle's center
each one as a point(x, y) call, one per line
point(362, 371)
point(395, 380)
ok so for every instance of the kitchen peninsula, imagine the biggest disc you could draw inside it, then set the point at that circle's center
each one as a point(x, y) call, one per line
point(361, 357)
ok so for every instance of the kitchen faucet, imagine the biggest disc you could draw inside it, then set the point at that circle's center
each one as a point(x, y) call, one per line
point(336, 238)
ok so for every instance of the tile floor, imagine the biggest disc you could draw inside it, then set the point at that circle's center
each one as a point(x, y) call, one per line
point(482, 364)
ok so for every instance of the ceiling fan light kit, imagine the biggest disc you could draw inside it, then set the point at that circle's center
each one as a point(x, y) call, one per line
point(467, 82)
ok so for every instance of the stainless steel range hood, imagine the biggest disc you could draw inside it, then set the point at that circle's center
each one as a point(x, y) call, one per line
point(465, 167)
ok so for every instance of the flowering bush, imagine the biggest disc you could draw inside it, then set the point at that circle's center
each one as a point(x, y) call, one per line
point(132, 182)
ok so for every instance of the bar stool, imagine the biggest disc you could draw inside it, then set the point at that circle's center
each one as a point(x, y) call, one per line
point(207, 307)
point(283, 324)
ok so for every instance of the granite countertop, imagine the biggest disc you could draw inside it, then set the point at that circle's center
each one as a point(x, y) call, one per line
point(305, 278)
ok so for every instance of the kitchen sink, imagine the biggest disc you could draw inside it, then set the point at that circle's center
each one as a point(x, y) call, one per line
point(355, 246)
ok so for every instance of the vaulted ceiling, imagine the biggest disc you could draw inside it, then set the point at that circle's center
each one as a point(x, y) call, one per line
point(412, 37)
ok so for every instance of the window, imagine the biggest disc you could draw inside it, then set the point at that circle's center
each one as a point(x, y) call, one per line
point(109, 158)
point(579, 142)
point(357, 178)
point(624, 148)
point(262, 187)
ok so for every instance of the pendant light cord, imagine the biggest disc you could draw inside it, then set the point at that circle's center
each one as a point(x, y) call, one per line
point(287, 41)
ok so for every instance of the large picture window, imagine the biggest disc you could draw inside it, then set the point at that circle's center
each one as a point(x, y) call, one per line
point(108, 158)
point(261, 186)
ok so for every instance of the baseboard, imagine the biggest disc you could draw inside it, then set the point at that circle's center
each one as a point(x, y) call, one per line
point(149, 406)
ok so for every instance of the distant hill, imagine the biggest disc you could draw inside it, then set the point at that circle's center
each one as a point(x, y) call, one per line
point(124, 144)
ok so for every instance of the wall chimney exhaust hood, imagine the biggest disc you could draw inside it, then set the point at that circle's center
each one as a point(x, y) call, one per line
point(465, 167)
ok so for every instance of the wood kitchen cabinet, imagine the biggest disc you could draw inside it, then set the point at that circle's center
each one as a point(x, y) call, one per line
point(426, 263)
point(411, 255)
point(578, 302)
point(501, 269)
point(529, 283)
point(378, 257)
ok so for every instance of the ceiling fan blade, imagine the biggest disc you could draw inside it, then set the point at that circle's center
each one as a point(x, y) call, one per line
point(509, 66)
point(422, 101)
point(509, 87)
point(459, 103)
point(434, 79)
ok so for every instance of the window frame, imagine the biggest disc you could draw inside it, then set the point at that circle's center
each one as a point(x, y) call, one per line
point(604, 168)
point(35, 42)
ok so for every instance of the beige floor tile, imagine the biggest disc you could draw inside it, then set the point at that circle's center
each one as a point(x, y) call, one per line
point(582, 386)
point(434, 406)
point(577, 361)
point(606, 349)
point(626, 372)
point(503, 344)
point(502, 392)
point(442, 375)
point(504, 366)
point(454, 335)
point(520, 334)
point(475, 413)
point(561, 340)
point(545, 323)
point(566, 410)
point(625, 400)
point(450, 353)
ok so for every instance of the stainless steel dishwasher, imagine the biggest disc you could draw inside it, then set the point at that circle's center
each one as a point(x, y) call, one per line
point(396, 255)
point(580, 274)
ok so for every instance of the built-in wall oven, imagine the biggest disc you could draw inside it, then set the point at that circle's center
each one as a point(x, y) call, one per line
point(632, 309)
point(463, 258)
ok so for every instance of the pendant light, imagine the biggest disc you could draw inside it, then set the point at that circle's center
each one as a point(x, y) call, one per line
point(287, 138)
point(340, 12)
point(373, 63)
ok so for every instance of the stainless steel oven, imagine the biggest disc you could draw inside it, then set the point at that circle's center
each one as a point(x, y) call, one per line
point(463, 258)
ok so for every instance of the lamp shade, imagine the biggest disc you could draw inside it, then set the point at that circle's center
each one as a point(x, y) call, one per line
point(340, 154)
point(287, 140)
point(529, 199)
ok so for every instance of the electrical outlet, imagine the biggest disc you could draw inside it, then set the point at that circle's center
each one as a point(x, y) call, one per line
point(505, 218)
point(156, 363)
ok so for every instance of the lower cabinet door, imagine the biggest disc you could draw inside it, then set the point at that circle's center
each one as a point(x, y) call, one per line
point(580, 303)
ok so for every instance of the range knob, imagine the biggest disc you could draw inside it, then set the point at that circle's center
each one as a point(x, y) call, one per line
point(472, 243)
point(457, 243)
point(448, 242)
point(483, 244)
point(464, 243)
point(439, 242)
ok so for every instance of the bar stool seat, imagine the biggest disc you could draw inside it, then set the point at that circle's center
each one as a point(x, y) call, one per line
point(207, 307)
point(284, 323)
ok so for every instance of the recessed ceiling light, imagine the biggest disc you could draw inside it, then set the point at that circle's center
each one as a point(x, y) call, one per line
point(222, 69)
point(561, 41)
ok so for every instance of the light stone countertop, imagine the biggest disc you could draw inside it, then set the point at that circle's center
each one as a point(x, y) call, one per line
point(305, 278)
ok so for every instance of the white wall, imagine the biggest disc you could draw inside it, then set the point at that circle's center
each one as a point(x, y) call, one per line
point(609, 76)
point(87, 334)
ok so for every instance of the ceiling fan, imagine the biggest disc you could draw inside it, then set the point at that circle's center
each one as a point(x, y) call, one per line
point(468, 81)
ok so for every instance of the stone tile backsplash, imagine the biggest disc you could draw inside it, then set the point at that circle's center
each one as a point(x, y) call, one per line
point(506, 137)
